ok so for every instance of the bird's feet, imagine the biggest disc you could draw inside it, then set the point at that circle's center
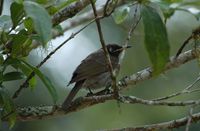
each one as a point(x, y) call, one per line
point(90, 93)
point(102, 92)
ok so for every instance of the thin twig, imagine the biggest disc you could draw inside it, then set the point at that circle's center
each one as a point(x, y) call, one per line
point(189, 119)
point(1, 6)
point(159, 126)
point(195, 35)
point(183, 45)
point(191, 85)
point(113, 8)
point(32, 74)
point(106, 7)
point(184, 91)
point(176, 94)
point(105, 49)
point(132, 28)
point(136, 100)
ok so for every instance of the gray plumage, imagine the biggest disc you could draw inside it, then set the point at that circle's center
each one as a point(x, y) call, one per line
point(93, 72)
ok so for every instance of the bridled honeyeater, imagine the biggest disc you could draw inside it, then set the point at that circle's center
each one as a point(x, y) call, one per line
point(93, 72)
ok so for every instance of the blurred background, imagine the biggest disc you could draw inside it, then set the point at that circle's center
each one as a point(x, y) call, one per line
point(109, 115)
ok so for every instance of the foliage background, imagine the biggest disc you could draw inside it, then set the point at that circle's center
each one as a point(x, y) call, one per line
point(110, 115)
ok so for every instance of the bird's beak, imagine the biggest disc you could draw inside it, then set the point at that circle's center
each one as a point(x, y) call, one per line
point(128, 46)
point(123, 48)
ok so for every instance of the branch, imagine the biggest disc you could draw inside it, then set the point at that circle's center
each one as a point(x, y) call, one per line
point(29, 114)
point(184, 91)
point(165, 125)
point(107, 56)
point(80, 19)
point(189, 119)
point(195, 35)
point(1, 6)
point(44, 112)
point(176, 94)
point(34, 113)
point(136, 100)
point(130, 32)
point(69, 11)
point(147, 73)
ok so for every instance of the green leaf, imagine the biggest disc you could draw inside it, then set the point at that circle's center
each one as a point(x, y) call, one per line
point(4, 37)
point(33, 82)
point(121, 14)
point(156, 40)
point(13, 76)
point(19, 1)
point(41, 20)
point(1, 59)
point(28, 23)
point(17, 13)
point(17, 43)
point(44, 1)
point(8, 107)
point(17, 64)
point(11, 61)
point(5, 22)
point(52, 10)
point(27, 71)
point(46, 82)
point(20, 45)
point(166, 9)
point(170, 1)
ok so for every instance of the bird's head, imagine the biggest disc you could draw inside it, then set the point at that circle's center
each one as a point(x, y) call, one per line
point(115, 50)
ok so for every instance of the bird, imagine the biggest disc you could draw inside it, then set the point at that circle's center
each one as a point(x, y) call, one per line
point(93, 72)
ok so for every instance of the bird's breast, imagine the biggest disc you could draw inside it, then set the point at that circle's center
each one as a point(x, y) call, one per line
point(98, 81)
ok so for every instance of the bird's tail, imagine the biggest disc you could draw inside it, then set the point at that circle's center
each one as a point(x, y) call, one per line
point(71, 95)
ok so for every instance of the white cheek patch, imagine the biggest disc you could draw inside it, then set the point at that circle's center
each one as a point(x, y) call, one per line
point(110, 50)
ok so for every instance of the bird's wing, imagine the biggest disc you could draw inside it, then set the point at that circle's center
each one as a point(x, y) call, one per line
point(92, 65)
